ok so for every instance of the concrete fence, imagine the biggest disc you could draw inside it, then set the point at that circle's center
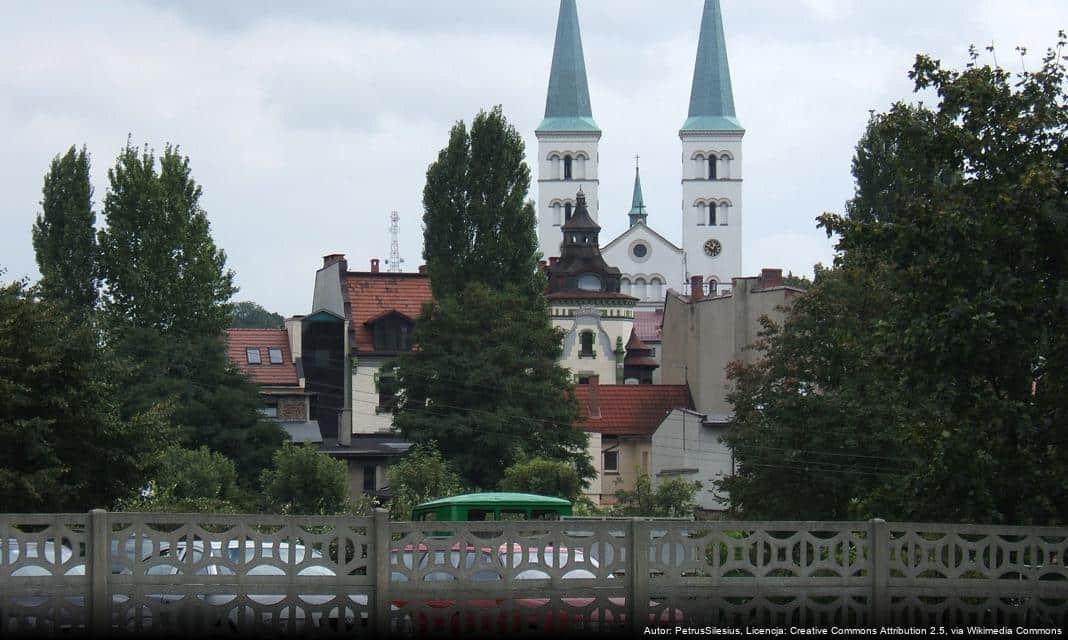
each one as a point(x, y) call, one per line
point(112, 573)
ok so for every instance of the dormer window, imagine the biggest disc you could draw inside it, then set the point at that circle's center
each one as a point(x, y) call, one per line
point(392, 332)
point(253, 355)
point(275, 355)
point(567, 167)
point(589, 282)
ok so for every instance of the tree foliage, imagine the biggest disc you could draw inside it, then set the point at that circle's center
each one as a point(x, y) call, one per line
point(671, 498)
point(420, 476)
point(925, 377)
point(485, 368)
point(162, 267)
point(543, 477)
point(486, 372)
point(65, 444)
point(249, 315)
point(479, 225)
point(64, 239)
point(302, 480)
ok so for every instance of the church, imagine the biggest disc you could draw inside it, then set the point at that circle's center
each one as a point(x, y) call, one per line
point(711, 174)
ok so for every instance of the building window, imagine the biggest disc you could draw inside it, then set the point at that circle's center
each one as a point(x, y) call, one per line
point(640, 250)
point(270, 408)
point(393, 333)
point(711, 213)
point(645, 462)
point(722, 214)
point(386, 384)
point(369, 478)
point(654, 288)
point(711, 167)
point(567, 211)
point(713, 286)
point(583, 379)
point(611, 461)
point(589, 282)
point(567, 167)
point(275, 355)
point(253, 355)
point(586, 345)
point(556, 215)
point(726, 166)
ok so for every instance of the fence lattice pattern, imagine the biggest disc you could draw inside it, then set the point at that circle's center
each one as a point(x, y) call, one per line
point(118, 573)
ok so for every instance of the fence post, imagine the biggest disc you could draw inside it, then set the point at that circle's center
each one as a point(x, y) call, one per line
point(638, 570)
point(879, 547)
point(97, 569)
point(380, 561)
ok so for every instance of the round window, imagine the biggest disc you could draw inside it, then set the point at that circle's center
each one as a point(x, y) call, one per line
point(640, 250)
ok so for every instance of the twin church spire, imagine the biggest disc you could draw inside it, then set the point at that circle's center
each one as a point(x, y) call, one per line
point(567, 104)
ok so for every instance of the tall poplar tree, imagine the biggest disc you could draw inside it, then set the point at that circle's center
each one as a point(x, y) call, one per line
point(162, 267)
point(484, 382)
point(479, 225)
point(64, 239)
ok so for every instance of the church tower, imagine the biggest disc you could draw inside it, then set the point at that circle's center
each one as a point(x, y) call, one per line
point(712, 162)
point(567, 136)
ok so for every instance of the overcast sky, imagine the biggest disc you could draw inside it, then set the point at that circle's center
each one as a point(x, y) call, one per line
point(306, 125)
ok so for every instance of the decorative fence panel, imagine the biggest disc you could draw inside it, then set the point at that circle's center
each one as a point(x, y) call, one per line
point(131, 573)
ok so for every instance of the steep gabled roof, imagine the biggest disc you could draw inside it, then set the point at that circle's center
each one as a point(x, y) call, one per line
point(371, 295)
point(637, 228)
point(631, 409)
point(265, 373)
point(647, 325)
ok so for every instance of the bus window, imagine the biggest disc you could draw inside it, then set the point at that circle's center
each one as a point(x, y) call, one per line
point(513, 514)
point(478, 515)
point(539, 514)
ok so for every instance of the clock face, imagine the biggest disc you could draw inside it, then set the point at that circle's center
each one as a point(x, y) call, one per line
point(713, 247)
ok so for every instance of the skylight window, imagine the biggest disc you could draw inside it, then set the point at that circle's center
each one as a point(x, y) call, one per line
point(275, 354)
point(253, 355)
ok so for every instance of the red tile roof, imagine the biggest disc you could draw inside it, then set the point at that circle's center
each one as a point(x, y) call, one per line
point(372, 295)
point(265, 373)
point(631, 409)
point(647, 325)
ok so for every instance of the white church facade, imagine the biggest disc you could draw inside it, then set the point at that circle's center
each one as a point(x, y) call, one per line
point(710, 172)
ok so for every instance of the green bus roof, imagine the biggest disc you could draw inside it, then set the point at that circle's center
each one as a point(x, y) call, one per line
point(496, 498)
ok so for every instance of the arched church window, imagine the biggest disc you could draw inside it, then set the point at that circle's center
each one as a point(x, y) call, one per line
point(711, 167)
point(567, 167)
point(726, 166)
point(655, 288)
point(567, 211)
point(701, 217)
point(586, 339)
point(711, 213)
point(624, 285)
point(713, 286)
point(639, 288)
point(722, 215)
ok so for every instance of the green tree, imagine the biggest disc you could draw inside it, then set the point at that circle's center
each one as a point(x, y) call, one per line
point(946, 397)
point(486, 372)
point(190, 481)
point(672, 498)
point(420, 476)
point(486, 366)
point(162, 267)
point(478, 224)
point(65, 445)
point(64, 239)
point(543, 477)
point(210, 403)
point(304, 480)
point(249, 315)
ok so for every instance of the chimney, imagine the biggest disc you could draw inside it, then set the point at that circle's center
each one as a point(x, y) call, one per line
point(594, 401)
point(770, 278)
point(294, 327)
point(335, 258)
point(422, 269)
point(374, 265)
point(697, 288)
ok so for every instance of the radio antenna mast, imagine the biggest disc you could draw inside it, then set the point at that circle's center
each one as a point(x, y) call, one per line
point(394, 260)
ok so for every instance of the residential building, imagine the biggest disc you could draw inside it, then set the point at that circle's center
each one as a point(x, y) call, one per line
point(620, 420)
point(267, 357)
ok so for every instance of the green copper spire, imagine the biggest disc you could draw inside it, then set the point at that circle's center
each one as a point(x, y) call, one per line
point(711, 99)
point(567, 105)
point(637, 202)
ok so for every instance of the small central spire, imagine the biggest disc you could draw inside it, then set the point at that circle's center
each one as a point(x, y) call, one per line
point(567, 103)
point(637, 202)
point(711, 97)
